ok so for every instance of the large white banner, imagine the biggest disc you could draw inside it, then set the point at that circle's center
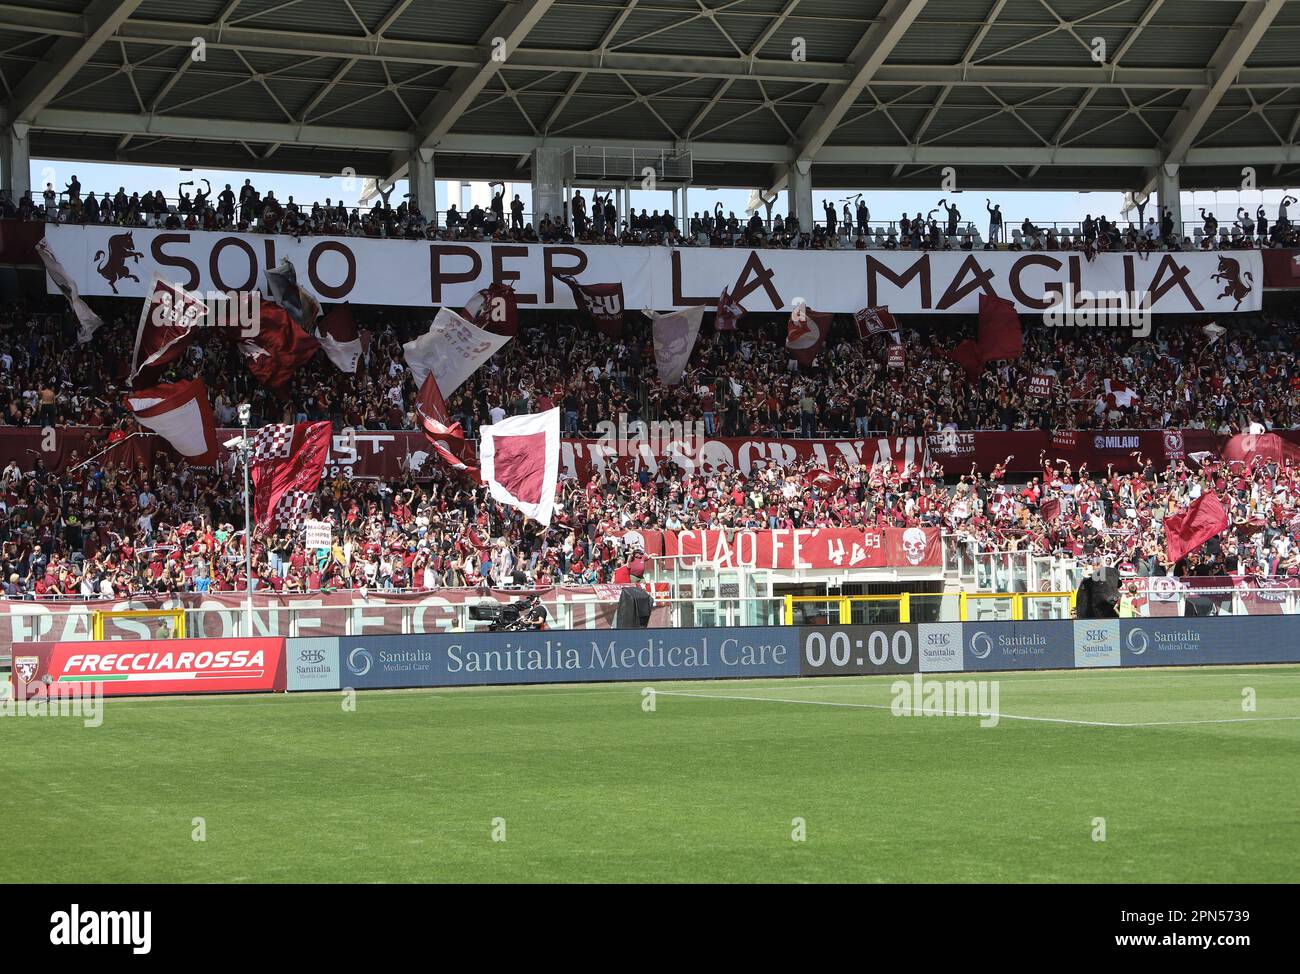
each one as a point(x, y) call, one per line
point(417, 273)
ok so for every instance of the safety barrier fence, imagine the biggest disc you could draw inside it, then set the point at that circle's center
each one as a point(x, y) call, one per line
point(708, 612)
point(466, 659)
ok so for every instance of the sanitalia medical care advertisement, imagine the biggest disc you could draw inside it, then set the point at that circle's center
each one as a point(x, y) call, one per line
point(1018, 645)
point(565, 656)
point(1199, 642)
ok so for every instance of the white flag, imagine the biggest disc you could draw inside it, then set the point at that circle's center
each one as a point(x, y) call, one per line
point(452, 349)
point(674, 337)
point(88, 321)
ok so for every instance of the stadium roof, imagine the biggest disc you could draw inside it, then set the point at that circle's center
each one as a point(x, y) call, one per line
point(889, 91)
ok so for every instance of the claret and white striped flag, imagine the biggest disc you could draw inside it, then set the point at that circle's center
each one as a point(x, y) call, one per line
point(179, 412)
point(446, 438)
point(520, 459)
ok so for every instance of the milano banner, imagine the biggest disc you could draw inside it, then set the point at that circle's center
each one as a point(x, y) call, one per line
point(426, 274)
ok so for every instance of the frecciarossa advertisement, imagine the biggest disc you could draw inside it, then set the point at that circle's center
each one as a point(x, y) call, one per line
point(136, 667)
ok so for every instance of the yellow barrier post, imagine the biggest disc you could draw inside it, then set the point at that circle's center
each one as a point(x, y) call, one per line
point(961, 607)
point(846, 612)
point(789, 610)
point(905, 607)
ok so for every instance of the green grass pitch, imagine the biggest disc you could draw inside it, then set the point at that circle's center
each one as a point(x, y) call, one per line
point(591, 787)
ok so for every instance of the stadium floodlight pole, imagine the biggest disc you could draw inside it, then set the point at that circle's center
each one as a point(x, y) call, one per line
point(245, 413)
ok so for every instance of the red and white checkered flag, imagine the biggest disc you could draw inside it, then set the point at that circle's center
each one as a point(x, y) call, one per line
point(272, 442)
point(292, 508)
point(288, 462)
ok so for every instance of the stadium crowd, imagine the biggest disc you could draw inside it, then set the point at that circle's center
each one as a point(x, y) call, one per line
point(599, 220)
point(100, 530)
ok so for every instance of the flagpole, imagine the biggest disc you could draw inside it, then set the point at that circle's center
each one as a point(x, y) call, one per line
point(113, 446)
point(244, 413)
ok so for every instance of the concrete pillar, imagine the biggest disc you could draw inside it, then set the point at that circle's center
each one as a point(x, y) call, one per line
point(15, 161)
point(686, 209)
point(421, 183)
point(1168, 189)
point(801, 193)
point(548, 184)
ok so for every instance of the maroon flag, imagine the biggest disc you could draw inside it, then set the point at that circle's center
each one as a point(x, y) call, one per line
point(1247, 447)
point(806, 334)
point(969, 357)
point(602, 303)
point(729, 313)
point(1050, 508)
point(1186, 532)
point(279, 348)
point(446, 438)
point(180, 414)
point(824, 480)
point(999, 329)
point(495, 309)
point(166, 328)
point(876, 321)
point(287, 465)
point(283, 288)
point(338, 336)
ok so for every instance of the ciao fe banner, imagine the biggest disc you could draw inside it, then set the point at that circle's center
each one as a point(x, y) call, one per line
point(415, 273)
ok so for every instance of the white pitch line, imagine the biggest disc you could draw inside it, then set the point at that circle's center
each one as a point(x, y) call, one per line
point(1046, 720)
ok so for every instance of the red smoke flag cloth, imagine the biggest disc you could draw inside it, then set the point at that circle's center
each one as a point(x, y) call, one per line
point(823, 480)
point(729, 313)
point(179, 412)
point(495, 309)
point(999, 329)
point(1186, 532)
point(602, 303)
point(969, 357)
point(1247, 447)
point(338, 336)
point(87, 321)
point(283, 288)
point(674, 340)
point(287, 465)
point(166, 328)
point(1050, 508)
point(446, 438)
point(807, 333)
point(520, 459)
point(1118, 394)
point(452, 349)
point(876, 321)
point(278, 350)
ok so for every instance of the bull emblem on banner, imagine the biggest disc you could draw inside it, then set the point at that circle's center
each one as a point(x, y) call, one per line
point(120, 247)
point(1229, 276)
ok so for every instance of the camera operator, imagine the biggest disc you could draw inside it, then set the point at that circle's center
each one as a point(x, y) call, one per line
point(533, 617)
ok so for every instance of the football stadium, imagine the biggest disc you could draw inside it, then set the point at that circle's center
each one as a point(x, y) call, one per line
point(650, 441)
